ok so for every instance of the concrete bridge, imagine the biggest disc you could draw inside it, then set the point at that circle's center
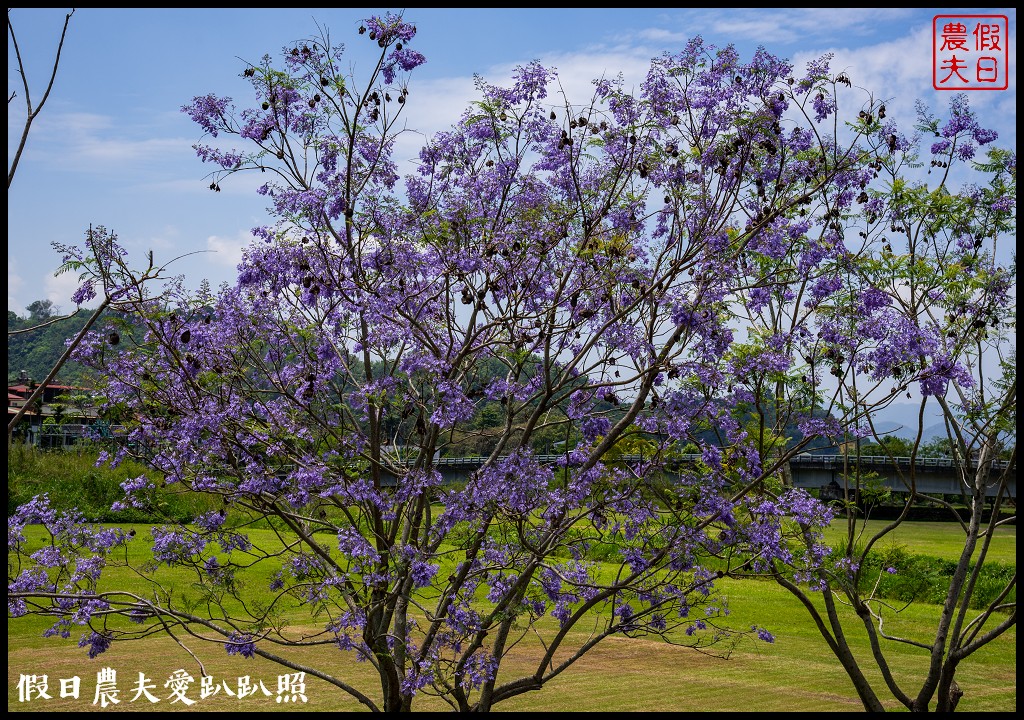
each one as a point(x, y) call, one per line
point(932, 475)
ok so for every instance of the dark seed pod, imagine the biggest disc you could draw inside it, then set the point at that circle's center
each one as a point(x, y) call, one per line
point(113, 338)
point(186, 335)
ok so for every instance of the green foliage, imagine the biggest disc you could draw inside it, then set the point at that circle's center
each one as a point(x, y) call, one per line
point(72, 480)
point(905, 577)
point(937, 447)
point(889, 446)
point(37, 351)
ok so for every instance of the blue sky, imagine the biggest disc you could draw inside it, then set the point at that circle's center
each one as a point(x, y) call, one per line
point(111, 147)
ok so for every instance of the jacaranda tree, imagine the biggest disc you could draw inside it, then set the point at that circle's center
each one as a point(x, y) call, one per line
point(638, 280)
point(927, 303)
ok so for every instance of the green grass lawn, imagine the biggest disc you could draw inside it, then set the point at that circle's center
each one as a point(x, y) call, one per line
point(796, 673)
point(938, 539)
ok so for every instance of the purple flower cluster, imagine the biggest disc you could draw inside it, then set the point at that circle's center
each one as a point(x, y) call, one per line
point(97, 642)
point(243, 644)
point(85, 293)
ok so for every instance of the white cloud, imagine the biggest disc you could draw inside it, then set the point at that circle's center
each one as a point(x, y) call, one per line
point(436, 105)
point(60, 288)
point(15, 283)
point(91, 142)
point(56, 288)
point(801, 24)
point(899, 72)
point(227, 251)
point(241, 184)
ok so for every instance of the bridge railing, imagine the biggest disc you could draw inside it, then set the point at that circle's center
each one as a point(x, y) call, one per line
point(802, 459)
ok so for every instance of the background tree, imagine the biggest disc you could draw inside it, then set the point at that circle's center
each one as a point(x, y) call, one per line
point(41, 312)
point(103, 270)
point(602, 255)
point(926, 304)
point(36, 350)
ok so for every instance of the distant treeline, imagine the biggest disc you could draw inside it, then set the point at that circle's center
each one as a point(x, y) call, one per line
point(35, 352)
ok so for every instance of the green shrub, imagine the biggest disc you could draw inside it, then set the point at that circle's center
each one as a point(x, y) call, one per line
point(923, 578)
point(72, 479)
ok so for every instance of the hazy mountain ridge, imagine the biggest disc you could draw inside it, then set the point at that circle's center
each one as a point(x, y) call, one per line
point(903, 420)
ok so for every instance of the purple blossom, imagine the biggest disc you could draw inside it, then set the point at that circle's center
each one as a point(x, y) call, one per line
point(210, 521)
point(97, 643)
point(423, 573)
point(49, 557)
point(824, 105)
point(405, 58)
point(390, 28)
point(243, 644)
point(134, 494)
point(173, 546)
point(85, 293)
point(1004, 204)
point(209, 112)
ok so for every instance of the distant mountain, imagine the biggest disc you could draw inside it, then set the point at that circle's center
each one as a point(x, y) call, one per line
point(901, 420)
